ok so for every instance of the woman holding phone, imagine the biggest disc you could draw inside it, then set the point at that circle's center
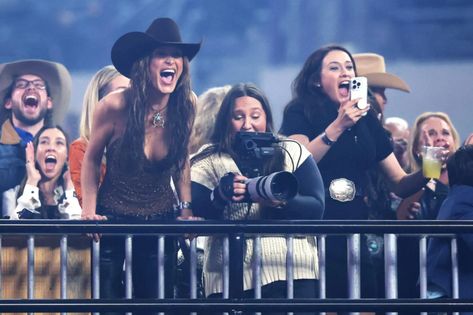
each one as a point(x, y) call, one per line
point(346, 141)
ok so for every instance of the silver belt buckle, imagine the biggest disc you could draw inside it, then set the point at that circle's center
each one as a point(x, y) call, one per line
point(342, 189)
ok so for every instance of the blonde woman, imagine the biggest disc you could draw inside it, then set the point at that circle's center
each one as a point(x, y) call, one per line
point(432, 129)
point(208, 105)
point(429, 129)
point(105, 81)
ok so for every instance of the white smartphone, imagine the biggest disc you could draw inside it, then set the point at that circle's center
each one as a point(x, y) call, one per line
point(359, 89)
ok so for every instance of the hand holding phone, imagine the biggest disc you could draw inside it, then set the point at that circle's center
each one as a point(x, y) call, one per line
point(359, 90)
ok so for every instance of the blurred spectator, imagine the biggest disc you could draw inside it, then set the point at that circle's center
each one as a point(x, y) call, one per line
point(105, 81)
point(33, 93)
point(400, 135)
point(469, 140)
point(208, 105)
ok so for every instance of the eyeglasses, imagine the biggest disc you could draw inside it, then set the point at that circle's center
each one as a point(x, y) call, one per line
point(23, 84)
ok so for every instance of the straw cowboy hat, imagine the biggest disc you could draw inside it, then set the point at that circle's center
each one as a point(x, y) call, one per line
point(55, 75)
point(372, 66)
point(135, 45)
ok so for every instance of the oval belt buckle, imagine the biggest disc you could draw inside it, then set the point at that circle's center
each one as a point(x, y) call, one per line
point(342, 189)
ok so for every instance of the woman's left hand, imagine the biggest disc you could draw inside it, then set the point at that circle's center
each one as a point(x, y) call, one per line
point(32, 173)
point(239, 188)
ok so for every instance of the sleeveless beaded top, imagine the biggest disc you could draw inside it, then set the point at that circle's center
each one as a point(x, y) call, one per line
point(139, 193)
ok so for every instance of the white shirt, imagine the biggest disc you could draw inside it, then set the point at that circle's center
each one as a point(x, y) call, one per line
point(69, 207)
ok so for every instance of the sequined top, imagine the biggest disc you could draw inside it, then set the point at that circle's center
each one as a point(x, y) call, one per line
point(137, 193)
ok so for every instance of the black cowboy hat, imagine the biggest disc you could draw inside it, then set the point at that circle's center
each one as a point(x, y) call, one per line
point(135, 45)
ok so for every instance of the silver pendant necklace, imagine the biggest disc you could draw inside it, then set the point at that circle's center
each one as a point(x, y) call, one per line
point(158, 118)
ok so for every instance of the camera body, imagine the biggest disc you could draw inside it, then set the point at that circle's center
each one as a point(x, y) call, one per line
point(252, 149)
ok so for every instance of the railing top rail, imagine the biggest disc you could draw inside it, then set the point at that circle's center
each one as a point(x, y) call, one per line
point(82, 305)
point(235, 227)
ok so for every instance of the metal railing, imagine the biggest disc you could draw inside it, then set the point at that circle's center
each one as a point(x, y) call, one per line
point(232, 229)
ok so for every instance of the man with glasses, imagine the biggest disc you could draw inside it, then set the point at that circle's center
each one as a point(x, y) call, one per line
point(33, 93)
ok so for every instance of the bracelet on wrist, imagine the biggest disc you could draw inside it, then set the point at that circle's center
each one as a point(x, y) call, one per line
point(185, 205)
point(326, 139)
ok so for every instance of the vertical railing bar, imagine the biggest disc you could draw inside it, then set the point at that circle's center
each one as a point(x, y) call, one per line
point(353, 262)
point(390, 267)
point(455, 280)
point(423, 268)
point(257, 268)
point(226, 268)
point(320, 241)
point(30, 264)
point(63, 268)
point(96, 271)
point(290, 267)
point(193, 270)
point(128, 267)
point(161, 262)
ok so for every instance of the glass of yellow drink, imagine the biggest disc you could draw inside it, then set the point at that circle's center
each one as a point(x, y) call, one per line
point(432, 162)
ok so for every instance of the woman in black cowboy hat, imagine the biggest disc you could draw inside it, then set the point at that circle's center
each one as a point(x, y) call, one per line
point(145, 132)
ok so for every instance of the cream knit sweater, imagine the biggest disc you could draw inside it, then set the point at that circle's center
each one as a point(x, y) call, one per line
point(208, 172)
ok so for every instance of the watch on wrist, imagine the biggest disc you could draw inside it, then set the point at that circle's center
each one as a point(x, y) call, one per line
point(326, 139)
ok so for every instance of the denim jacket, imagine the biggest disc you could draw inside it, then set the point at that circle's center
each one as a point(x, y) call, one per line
point(12, 157)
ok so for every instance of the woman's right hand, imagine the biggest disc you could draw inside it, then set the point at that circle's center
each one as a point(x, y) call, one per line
point(33, 176)
point(349, 114)
point(87, 215)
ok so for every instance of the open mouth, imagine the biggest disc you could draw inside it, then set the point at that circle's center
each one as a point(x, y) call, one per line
point(167, 75)
point(344, 88)
point(50, 162)
point(31, 100)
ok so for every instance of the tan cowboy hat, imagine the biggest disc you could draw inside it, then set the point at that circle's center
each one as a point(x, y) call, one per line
point(373, 67)
point(135, 45)
point(57, 78)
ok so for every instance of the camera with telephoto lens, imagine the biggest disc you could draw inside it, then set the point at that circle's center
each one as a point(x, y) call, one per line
point(252, 148)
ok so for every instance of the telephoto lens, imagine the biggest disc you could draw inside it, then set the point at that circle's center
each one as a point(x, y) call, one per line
point(275, 187)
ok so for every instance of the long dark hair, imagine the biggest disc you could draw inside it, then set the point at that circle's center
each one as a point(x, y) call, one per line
point(60, 181)
point(304, 86)
point(222, 137)
point(180, 117)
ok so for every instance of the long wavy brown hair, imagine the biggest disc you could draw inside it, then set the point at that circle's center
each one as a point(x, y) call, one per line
point(180, 117)
point(305, 88)
point(223, 137)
